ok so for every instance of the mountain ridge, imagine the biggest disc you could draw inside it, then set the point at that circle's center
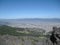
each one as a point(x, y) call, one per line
point(32, 20)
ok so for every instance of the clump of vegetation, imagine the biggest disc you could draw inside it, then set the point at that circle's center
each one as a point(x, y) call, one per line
point(4, 29)
point(7, 30)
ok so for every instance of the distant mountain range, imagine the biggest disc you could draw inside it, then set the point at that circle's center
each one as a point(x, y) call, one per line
point(40, 19)
point(32, 20)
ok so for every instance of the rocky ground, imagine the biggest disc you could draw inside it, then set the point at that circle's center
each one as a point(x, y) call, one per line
point(23, 40)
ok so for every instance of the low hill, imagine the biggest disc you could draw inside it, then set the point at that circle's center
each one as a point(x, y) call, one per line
point(4, 30)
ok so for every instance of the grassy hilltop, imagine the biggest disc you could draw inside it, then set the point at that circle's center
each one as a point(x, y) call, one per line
point(19, 31)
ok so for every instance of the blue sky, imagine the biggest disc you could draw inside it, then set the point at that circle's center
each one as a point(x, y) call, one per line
point(11, 9)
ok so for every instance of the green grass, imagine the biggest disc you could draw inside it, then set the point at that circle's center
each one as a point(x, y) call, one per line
point(13, 31)
point(8, 30)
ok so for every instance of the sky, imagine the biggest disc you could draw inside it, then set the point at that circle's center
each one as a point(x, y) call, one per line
point(12, 9)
